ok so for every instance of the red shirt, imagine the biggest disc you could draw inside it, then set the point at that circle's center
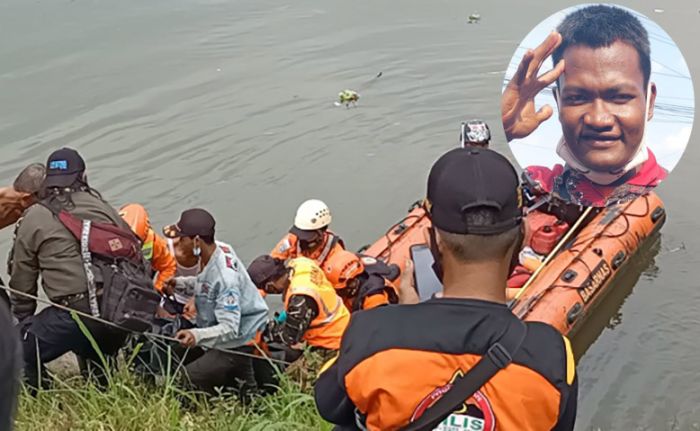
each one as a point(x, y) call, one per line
point(574, 187)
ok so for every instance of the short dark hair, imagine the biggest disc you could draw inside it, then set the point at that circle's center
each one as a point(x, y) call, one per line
point(600, 26)
point(30, 179)
point(479, 248)
point(207, 239)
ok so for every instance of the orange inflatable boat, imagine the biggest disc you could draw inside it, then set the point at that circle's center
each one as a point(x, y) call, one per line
point(576, 278)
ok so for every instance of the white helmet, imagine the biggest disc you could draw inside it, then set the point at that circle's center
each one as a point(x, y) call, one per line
point(312, 215)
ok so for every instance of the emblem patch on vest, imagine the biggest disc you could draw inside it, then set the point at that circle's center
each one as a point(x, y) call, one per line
point(284, 246)
point(475, 414)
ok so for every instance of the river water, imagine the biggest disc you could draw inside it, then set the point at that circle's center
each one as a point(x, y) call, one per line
point(229, 105)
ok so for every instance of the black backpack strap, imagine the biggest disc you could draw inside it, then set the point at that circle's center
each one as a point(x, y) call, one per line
point(498, 356)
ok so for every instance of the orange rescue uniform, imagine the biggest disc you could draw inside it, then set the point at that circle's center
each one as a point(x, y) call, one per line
point(327, 328)
point(288, 248)
point(155, 249)
point(395, 362)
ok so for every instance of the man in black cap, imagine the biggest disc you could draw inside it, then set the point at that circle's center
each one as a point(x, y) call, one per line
point(231, 314)
point(43, 245)
point(397, 363)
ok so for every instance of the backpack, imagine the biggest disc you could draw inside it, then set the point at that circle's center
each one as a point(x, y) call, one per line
point(129, 299)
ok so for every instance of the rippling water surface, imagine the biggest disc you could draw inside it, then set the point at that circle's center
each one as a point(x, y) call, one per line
point(229, 105)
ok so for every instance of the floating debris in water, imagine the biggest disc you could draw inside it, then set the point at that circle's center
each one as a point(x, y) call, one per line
point(673, 250)
point(659, 10)
point(474, 18)
point(347, 97)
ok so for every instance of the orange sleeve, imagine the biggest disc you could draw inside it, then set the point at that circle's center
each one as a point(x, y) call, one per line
point(284, 249)
point(163, 262)
point(376, 300)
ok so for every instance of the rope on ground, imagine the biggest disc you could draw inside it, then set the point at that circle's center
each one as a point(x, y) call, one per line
point(264, 356)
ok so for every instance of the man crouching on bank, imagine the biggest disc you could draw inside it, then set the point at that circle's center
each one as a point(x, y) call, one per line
point(230, 311)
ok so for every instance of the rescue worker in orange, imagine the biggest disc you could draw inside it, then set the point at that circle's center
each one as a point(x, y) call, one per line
point(396, 364)
point(360, 286)
point(310, 237)
point(155, 248)
point(312, 311)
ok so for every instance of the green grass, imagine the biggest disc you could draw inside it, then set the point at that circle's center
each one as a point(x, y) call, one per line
point(128, 404)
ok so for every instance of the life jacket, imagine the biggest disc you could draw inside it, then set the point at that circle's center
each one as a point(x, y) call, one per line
point(289, 248)
point(327, 328)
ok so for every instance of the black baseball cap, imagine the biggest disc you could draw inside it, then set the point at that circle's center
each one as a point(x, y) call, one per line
point(63, 168)
point(466, 178)
point(265, 268)
point(193, 222)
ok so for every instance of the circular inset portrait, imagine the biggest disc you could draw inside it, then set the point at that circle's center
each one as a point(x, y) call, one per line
point(597, 105)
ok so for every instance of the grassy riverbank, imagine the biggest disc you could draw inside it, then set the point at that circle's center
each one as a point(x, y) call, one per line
point(129, 404)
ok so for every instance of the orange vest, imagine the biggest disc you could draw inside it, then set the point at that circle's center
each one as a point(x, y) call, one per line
point(328, 326)
point(388, 379)
point(288, 248)
point(155, 249)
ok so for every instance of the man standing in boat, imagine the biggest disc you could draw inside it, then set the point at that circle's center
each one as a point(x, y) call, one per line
point(310, 237)
point(464, 359)
point(605, 99)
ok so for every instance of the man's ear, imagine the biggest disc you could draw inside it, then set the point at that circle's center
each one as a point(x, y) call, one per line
point(438, 241)
point(27, 200)
point(652, 100)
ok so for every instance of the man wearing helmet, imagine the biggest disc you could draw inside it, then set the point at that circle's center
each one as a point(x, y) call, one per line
point(475, 133)
point(358, 283)
point(309, 236)
point(155, 248)
point(314, 313)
